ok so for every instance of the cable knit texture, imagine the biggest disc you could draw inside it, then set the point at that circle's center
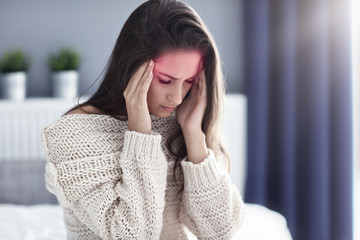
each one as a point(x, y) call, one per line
point(118, 184)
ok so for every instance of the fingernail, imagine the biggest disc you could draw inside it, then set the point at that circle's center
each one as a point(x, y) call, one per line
point(151, 63)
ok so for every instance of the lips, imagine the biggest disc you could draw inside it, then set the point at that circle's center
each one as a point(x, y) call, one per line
point(168, 109)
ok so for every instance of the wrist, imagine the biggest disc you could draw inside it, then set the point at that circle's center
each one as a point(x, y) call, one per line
point(140, 125)
point(196, 146)
point(192, 132)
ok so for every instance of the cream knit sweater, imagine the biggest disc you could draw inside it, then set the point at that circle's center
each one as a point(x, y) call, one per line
point(118, 184)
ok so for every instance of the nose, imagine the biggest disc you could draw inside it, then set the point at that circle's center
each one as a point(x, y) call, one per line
point(175, 96)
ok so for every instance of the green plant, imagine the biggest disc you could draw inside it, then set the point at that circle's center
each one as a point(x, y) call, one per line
point(65, 59)
point(14, 61)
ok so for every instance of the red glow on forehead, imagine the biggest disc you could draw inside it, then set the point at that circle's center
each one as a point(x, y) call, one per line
point(178, 64)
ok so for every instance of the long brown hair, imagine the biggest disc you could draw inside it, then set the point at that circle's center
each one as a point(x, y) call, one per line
point(153, 28)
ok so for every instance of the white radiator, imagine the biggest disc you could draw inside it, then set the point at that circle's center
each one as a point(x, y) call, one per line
point(21, 123)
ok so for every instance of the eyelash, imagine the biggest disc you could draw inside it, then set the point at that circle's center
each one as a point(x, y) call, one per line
point(168, 82)
point(164, 82)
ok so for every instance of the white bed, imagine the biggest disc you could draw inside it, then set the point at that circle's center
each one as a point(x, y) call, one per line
point(44, 222)
point(29, 212)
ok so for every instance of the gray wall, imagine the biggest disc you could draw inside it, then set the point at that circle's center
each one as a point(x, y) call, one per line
point(92, 26)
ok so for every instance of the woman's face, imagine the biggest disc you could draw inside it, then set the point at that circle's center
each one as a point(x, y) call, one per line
point(174, 74)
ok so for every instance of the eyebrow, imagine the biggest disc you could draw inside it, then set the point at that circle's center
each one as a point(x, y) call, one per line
point(174, 78)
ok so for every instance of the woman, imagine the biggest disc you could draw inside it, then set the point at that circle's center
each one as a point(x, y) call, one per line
point(142, 158)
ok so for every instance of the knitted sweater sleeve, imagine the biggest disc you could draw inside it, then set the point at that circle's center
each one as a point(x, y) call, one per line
point(211, 206)
point(117, 195)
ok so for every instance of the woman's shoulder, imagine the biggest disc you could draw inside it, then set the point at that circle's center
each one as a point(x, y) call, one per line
point(88, 114)
point(87, 109)
point(78, 134)
point(85, 120)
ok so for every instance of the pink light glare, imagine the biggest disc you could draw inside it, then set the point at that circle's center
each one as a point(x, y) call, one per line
point(172, 57)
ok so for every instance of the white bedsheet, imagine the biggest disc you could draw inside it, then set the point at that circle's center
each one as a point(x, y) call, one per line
point(45, 222)
point(262, 223)
point(36, 222)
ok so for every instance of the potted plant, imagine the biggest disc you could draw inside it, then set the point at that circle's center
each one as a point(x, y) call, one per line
point(64, 67)
point(14, 66)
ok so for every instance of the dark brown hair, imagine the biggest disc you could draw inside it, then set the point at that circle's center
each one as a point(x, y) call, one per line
point(153, 28)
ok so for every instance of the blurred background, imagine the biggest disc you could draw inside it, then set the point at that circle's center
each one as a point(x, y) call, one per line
point(294, 63)
point(42, 27)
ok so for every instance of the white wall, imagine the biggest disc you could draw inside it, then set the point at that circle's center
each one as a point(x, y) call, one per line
point(235, 130)
point(92, 26)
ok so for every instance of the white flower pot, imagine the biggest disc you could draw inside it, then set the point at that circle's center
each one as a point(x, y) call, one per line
point(65, 84)
point(14, 85)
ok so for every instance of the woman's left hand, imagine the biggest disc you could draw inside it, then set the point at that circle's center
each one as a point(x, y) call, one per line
point(191, 111)
point(190, 115)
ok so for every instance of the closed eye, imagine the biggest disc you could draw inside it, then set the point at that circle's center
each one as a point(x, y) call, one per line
point(164, 82)
point(192, 81)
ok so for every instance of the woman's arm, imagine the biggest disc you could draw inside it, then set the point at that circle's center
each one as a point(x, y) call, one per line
point(190, 115)
point(118, 195)
point(211, 206)
point(122, 194)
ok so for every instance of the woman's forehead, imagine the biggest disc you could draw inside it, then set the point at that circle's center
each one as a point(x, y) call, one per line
point(176, 63)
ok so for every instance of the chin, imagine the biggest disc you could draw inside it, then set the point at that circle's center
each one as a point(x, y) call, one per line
point(162, 114)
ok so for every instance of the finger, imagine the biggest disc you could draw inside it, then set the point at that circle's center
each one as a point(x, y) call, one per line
point(135, 78)
point(196, 86)
point(193, 91)
point(202, 83)
point(145, 85)
point(147, 76)
point(201, 65)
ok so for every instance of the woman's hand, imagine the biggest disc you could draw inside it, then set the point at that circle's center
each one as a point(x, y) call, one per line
point(135, 96)
point(191, 111)
point(190, 115)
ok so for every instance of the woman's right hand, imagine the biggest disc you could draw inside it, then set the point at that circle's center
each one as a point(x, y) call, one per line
point(135, 96)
